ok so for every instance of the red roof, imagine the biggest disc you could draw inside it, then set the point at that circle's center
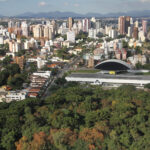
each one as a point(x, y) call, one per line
point(36, 90)
point(32, 94)
point(51, 65)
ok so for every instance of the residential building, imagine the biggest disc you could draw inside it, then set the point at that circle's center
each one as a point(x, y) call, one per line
point(137, 59)
point(71, 36)
point(144, 26)
point(70, 23)
point(48, 33)
point(16, 96)
point(135, 33)
point(123, 24)
point(37, 31)
point(86, 24)
point(92, 33)
point(24, 28)
point(45, 74)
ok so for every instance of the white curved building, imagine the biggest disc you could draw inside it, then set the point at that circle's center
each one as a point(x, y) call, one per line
point(113, 80)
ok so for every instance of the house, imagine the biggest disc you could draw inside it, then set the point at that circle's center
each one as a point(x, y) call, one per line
point(34, 92)
point(45, 74)
point(33, 95)
point(16, 96)
point(51, 65)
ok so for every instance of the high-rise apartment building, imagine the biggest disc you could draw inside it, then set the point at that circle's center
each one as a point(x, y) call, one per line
point(80, 25)
point(14, 46)
point(107, 29)
point(136, 24)
point(92, 33)
point(98, 24)
point(127, 23)
point(144, 25)
point(48, 33)
point(70, 22)
point(18, 25)
point(135, 32)
point(112, 33)
point(37, 31)
point(54, 26)
point(86, 24)
point(123, 24)
point(11, 26)
point(129, 32)
point(71, 36)
point(24, 28)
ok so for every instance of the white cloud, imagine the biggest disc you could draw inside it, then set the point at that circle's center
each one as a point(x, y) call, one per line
point(42, 3)
point(144, 1)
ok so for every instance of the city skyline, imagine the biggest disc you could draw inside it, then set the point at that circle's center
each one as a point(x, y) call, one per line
point(77, 6)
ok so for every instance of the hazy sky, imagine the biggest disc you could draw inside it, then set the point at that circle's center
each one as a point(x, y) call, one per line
point(14, 7)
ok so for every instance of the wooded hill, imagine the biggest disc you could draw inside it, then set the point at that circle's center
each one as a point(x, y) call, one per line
point(78, 117)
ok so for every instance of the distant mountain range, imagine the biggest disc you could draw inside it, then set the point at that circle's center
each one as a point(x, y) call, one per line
point(58, 14)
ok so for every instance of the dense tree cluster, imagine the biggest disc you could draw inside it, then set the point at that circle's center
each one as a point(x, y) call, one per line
point(4, 48)
point(147, 86)
point(11, 75)
point(78, 117)
point(125, 44)
point(138, 50)
point(82, 35)
point(140, 66)
point(64, 54)
point(21, 53)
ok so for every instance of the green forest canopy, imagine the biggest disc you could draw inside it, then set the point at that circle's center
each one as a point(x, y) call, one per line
point(78, 117)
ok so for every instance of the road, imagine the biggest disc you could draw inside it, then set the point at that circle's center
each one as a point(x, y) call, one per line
point(60, 74)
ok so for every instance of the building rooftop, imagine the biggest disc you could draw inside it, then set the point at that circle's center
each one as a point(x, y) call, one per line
point(107, 76)
point(35, 90)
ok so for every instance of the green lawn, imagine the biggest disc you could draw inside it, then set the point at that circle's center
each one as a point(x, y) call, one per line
point(148, 73)
point(86, 71)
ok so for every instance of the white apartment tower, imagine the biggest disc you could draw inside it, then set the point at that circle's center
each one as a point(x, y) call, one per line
point(86, 24)
point(24, 28)
point(71, 36)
